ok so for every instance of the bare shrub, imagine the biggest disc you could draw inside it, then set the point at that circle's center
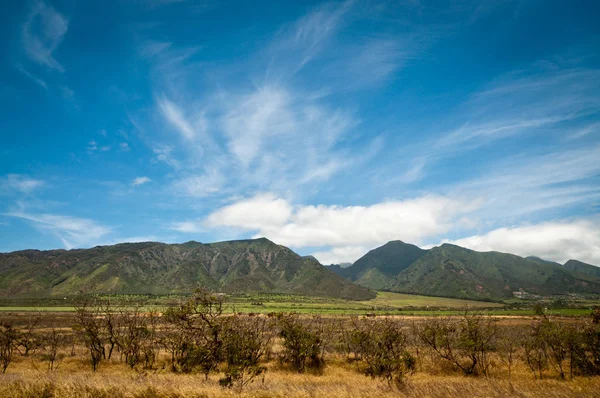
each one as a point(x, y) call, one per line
point(507, 346)
point(196, 337)
point(246, 341)
point(8, 341)
point(51, 344)
point(136, 339)
point(466, 342)
point(303, 342)
point(29, 341)
point(382, 345)
point(89, 324)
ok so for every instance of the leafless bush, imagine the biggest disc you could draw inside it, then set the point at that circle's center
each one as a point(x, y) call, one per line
point(195, 340)
point(246, 341)
point(90, 326)
point(465, 342)
point(382, 345)
point(303, 342)
point(28, 340)
point(52, 342)
point(8, 341)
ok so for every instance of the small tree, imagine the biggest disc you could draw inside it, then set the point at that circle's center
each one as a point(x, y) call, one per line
point(383, 346)
point(507, 347)
point(303, 343)
point(8, 340)
point(90, 326)
point(51, 344)
point(535, 353)
point(466, 342)
point(247, 340)
point(196, 338)
point(29, 341)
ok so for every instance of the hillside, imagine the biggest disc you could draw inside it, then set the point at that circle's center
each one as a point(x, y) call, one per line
point(582, 268)
point(453, 271)
point(257, 265)
point(375, 268)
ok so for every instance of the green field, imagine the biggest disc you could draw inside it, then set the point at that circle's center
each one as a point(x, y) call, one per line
point(384, 303)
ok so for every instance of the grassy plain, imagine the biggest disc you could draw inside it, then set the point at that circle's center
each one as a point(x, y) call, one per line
point(73, 380)
point(385, 303)
point(28, 377)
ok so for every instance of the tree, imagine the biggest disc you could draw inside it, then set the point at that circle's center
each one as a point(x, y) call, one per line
point(465, 342)
point(383, 346)
point(303, 342)
point(8, 340)
point(196, 338)
point(247, 340)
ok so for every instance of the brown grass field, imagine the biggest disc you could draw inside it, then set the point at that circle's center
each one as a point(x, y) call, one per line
point(29, 376)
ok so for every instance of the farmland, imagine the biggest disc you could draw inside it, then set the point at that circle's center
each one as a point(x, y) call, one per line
point(214, 346)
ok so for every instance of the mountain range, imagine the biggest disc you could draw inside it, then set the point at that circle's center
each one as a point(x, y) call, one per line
point(259, 265)
point(453, 271)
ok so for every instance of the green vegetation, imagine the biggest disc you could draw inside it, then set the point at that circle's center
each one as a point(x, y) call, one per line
point(453, 271)
point(582, 268)
point(268, 303)
point(256, 265)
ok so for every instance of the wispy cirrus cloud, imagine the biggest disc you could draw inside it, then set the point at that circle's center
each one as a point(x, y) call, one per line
point(522, 186)
point(140, 181)
point(42, 33)
point(18, 183)
point(31, 77)
point(525, 103)
point(72, 231)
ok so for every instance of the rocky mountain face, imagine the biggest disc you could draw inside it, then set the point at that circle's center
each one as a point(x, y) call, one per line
point(257, 265)
point(454, 271)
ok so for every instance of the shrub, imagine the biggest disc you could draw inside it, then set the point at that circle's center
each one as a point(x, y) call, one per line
point(466, 343)
point(303, 343)
point(246, 341)
point(196, 338)
point(383, 346)
point(8, 340)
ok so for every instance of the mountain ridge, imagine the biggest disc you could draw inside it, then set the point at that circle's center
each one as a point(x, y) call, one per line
point(453, 271)
point(251, 265)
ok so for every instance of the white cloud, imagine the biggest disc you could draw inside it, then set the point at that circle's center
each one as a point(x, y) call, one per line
point(72, 231)
point(176, 118)
point(517, 187)
point(30, 76)
point(20, 183)
point(202, 185)
point(124, 147)
point(525, 103)
point(263, 211)
point(188, 227)
point(164, 154)
point(557, 241)
point(140, 181)
point(43, 32)
point(299, 43)
point(348, 229)
point(92, 146)
point(342, 254)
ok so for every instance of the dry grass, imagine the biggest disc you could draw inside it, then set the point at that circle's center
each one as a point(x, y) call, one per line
point(27, 377)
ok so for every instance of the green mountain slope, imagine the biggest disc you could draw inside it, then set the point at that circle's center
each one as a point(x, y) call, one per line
point(453, 271)
point(389, 260)
point(542, 261)
point(257, 265)
point(582, 268)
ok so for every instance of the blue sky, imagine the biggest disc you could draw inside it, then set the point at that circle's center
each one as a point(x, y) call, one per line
point(329, 127)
